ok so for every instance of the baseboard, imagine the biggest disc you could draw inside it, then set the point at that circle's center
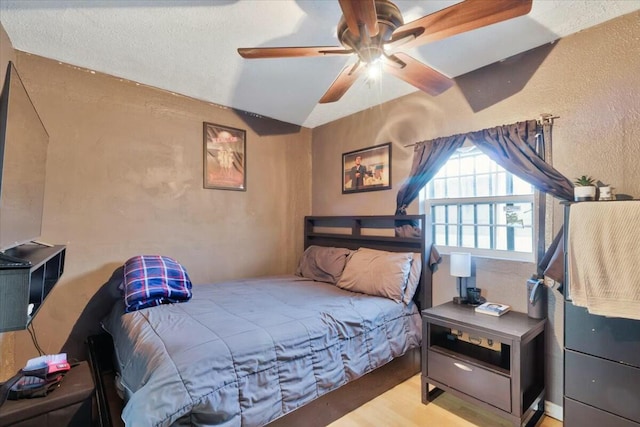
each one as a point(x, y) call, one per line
point(554, 411)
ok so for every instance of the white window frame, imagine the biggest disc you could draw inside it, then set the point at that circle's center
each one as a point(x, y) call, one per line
point(427, 204)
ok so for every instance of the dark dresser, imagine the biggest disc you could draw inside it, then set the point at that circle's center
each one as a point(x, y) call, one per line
point(601, 365)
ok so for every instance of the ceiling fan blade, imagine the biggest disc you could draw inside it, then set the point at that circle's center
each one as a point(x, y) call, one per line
point(459, 18)
point(360, 12)
point(417, 74)
point(342, 83)
point(291, 52)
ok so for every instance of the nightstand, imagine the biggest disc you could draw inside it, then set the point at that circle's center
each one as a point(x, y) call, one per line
point(70, 405)
point(494, 362)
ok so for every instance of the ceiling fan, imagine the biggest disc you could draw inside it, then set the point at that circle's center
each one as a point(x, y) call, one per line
point(375, 31)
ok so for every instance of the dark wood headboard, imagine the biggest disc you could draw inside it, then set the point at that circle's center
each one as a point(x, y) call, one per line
point(375, 232)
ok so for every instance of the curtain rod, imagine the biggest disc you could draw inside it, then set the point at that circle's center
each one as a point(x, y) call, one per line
point(546, 119)
point(543, 119)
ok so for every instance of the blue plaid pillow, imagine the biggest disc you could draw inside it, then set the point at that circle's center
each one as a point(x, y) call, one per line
point(151, 280)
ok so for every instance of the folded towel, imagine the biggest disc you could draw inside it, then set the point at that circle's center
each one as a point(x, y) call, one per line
point(604, 257)
point(151, 280)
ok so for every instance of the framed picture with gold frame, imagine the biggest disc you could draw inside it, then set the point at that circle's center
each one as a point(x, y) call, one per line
point(225, 157)
point(368, 169)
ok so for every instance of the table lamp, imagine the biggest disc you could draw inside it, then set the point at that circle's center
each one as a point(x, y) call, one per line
point(460, 266)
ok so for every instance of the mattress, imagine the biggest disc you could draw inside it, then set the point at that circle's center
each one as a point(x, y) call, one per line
point(244, 353)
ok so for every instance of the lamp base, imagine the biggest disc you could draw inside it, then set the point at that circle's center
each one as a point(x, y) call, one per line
point(460, 300)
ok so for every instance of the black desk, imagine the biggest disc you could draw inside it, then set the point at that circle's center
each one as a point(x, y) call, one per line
point(70, 405)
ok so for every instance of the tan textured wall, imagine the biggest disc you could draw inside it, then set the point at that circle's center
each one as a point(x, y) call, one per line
point(7, 339)
point(125, 177)
point(590, 80)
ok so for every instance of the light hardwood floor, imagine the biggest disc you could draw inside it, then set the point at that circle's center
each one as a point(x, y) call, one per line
point(402, 407)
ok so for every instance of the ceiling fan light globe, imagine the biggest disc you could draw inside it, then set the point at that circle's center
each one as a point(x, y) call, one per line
point(374, 69)
point(370, 54)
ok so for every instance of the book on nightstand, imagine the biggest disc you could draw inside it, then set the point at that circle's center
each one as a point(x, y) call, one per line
point(493, 308)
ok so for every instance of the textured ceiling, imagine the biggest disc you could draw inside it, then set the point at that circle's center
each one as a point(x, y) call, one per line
point(189, 46)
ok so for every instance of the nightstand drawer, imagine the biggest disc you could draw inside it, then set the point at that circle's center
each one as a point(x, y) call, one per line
point(494, 389)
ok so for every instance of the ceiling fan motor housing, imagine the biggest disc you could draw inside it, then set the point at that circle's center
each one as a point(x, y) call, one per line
point(369, 48)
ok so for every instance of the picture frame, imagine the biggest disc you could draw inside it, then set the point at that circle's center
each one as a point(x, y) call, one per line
point(374, 164)
point(225, 157)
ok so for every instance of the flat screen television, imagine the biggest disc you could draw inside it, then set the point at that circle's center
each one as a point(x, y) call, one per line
point(23, 156)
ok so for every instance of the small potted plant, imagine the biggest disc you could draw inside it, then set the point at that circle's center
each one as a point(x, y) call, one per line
point(584, 189)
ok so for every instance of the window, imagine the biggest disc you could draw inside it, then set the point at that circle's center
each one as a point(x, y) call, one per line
point(478, 206)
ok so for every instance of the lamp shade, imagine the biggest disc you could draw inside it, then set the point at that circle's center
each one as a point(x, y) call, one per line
point(460, 264)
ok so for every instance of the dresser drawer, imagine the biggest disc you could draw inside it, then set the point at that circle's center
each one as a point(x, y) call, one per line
point(578, 414)
point(612, 387)
point(490, 387)
point(610, 338)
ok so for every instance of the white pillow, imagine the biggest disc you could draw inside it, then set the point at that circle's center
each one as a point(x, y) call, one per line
point(414, 278)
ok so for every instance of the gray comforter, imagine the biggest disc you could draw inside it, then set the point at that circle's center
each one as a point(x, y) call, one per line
point(247, 352)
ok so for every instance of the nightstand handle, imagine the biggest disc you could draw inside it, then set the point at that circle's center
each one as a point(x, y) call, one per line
point(463, 367)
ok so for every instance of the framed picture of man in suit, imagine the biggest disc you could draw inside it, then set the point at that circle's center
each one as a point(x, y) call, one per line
point(224, 157)
point(367, 169)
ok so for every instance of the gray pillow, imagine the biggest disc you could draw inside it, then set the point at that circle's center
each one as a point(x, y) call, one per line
point(378, 273)
point(323, 264)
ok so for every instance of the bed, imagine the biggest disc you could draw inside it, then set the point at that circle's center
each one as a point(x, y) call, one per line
point(281, 350)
